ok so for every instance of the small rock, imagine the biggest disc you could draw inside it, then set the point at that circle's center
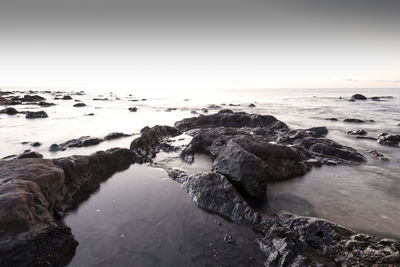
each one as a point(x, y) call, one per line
point(67, 97)
point(357, 132)
point(378, 155)
point(36, 114)
point(9, 111)
point(252, 105)
point(134, 109)
point(89, 114)
point(354, 120)
point(80, 104)
point(36, 144)
point(331, 119)
point(228, 239)
point(358, 97)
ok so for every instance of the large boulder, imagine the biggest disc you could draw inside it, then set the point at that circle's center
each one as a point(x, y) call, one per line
point(305, 241)
point(9, 111)
point(35, 193)
point(36, 114)
point(227, 118)
point(358, 97)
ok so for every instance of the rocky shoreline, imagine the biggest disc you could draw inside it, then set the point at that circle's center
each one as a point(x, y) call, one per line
point(248, 150)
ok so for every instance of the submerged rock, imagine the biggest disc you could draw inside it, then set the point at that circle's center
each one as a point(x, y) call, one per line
point(134, 109)
point(354, 120)
point(78, 142)
point(80, 104)
point(36, 114)
point(378, 155)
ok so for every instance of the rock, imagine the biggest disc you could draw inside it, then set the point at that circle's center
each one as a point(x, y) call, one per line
point(115, 135)
point(358, 97)
point(35, 144)
point(389, 139)
point(28, 98)
point(251, 105)
point(304, 241)
point(66, 97)
point(36, 114)
point(25, 155)
point(204, 110)
point(229, 119)
point(213, 106)
point(80, 104)
point(331, 119)
point(378, 155)
point(170, 109)
point(134, 109)
point(251, 163)
point(89, 114)
point(194, 112)
point(150, 141)
point(83, 141)
point(358, 132)
point(229, 239)
point(100, 99)
point(213, 192)
point(9, 111)
point(45, 104)
point(354, 120)
point(35, 193)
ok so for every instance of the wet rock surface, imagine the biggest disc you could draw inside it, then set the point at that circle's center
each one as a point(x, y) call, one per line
point(9, 111)
point(35, 193)
point(358, 97)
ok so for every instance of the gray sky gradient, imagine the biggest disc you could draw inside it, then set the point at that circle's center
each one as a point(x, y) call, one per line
point(196, 44)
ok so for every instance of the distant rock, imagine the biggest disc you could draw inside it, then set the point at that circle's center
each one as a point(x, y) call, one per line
point(331, 119)
point(170, 109)
point(358, 132)
point(80, 104)
point(66, 97)
point(35, 144)
point(89, 114)
point(358, 97)
point(251, 105)
point(45, 104)
point(354, 120)
point(36, 114)
point(115, 135)
point(134, 109)
point(100, 99)
point(83, 141)
point(9, 111)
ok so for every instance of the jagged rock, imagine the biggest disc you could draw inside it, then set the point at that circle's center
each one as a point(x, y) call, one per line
point(304, 241)
point(9, 111)
point(35, 144)
point(389, 139)
point(36, 114)
point(80, 104)
point(213, 192)
point(28, 98)
point(149, 143)
point(252, 105)
point(79, 142)
point(358, 97)
point(229, 119)
point(134, 109)
point(358, 132)
point(34, 194)
point(251, 163)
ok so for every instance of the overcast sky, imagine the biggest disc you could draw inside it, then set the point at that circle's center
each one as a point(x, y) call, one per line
point(167, 44)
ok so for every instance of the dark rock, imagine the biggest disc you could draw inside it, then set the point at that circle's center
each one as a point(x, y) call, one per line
point(389, 139)
point(304, 241)
point(358, 132)
point(213, 192)
point(9, 111)
point(80, 104)
point(83, 141)
point(89, 114)
point(251, 105)
point(28, 98)
point(204, 110)
point(36, 114)
point(100, 99)
point(358, 97)
point(115, 135)
point(194, 112)
point(251, 163)
point(228, 119)
point(331, 119)
point(35, 193)
point(170, 109)
point(378, 155)
point(354, 120)
point(45, 104)
point(134, 109)
point(213, 106)
point(66, 97)
point(36, 144)
point(25, 155)
point(150, 140)
point(229, 239)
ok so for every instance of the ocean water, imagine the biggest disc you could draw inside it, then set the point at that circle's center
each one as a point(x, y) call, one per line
point(141, 216)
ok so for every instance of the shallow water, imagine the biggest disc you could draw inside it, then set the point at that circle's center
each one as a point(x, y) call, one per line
point(364, 197)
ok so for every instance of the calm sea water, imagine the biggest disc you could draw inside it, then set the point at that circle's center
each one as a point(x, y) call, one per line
point(141, 217)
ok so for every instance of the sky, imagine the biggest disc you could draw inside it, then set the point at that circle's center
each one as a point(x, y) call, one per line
point(186, 44)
